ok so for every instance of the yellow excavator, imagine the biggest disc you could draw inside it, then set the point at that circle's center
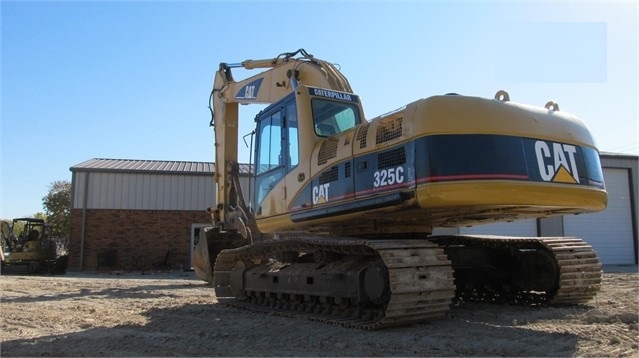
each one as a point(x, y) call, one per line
point(26, 246)
point(341, 210)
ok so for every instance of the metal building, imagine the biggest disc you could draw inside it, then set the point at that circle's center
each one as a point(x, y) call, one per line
point(147, 213)
point(139, 214)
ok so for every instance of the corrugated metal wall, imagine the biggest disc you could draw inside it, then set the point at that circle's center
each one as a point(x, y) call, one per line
point(140, 191)
point(609, 231)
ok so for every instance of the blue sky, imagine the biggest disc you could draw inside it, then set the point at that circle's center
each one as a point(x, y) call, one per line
point(130, 80)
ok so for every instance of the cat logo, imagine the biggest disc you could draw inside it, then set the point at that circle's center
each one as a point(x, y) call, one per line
point(249, 91)
point(320, 193)
point(557, 162)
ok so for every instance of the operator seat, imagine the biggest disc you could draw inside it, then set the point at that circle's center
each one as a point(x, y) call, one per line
point(325, 129)
point(33, 235)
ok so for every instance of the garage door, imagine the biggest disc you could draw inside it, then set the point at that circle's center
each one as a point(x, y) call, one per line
point(609, 231)
point(515, 228)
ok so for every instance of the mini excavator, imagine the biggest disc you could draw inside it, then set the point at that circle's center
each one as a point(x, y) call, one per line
point(26, 246)
point(340, 213)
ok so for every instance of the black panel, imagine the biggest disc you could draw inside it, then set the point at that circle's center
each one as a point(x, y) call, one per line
point(459, 157)
point(486, 157)
point(351, 207)
point(391, 158)
point(380, 177)
point(329, 175)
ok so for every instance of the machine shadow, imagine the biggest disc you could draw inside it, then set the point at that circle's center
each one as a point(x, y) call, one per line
point(140, 292)
point(217, 330)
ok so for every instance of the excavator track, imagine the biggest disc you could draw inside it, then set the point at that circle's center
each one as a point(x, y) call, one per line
point(527, 270)
point(580, 270)
point(398, 282)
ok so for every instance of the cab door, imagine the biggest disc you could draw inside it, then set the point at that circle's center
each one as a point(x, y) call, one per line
point(270, 162)
point(296, 167)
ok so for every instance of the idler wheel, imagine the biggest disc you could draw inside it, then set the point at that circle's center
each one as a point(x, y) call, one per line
point(376, 286)
point(537, 271)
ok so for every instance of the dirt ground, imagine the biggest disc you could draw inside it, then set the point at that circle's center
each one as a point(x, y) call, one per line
point(174, 314)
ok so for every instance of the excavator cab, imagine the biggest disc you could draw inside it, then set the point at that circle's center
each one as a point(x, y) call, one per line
point(288, 128)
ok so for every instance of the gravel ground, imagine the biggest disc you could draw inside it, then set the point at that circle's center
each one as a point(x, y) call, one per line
point(174, 314)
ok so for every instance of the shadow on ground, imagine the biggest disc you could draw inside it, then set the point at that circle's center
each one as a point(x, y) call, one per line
point(217, 330)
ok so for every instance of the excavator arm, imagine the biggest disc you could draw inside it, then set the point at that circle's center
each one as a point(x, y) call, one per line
point(281, 77)
point(233, 222)
point(7, 238)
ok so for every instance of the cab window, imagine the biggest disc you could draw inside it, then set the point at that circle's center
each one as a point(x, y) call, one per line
point(293, 141)
point(269, 160)
point(269, 154)
point(333, 117)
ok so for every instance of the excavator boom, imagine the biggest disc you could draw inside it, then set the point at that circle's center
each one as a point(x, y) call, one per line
point(233, 222)
point(285, 71)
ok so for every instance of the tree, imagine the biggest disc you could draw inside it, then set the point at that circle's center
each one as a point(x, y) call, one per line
point(57, 206)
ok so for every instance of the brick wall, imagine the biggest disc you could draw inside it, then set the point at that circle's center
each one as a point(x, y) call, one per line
point(140, 238)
